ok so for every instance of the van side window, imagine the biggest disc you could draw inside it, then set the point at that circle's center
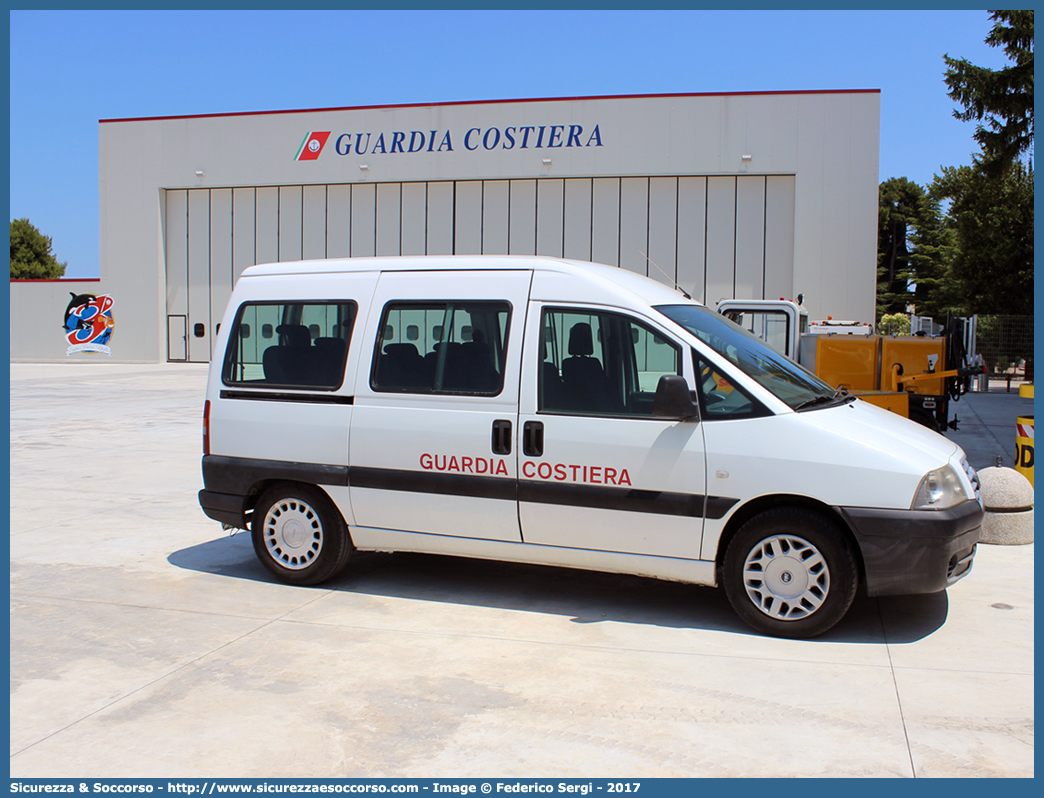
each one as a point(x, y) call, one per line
point(442, 347)
point(597, 363)
point(720, 398)
point(289, 344)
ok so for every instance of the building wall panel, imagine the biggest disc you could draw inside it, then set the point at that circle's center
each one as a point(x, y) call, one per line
point(389, 218)
point(577, 222)
point(692, 236)
point(467, 218)
point(177, 252)
point(634, 224)
point(266, 232)
point(750, 237)
point(221, 273)
point(414, 218)
point(522, 221)
point(291, 202)
point(605, 221)
point(313, 223)
point(663, 229)
point(199, 275)
point(779, 238)
point(440, 219)
point(549, 209)
point(721, 239)
point(364, 220)
point(338, 221)
point(242, 230)
point(495, 217)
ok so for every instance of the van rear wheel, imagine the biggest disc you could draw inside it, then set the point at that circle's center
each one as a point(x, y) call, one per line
point(299, 535)
point(790, 573)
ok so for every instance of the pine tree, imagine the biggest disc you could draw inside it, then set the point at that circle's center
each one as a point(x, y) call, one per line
point(1002, 98)
point(31, 255)
point(991, 202)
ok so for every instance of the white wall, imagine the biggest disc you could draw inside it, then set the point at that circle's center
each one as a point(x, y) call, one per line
point(825, 143)
point(38, 315)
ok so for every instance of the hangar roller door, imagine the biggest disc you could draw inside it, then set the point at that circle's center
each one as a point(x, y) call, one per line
point(715, 237)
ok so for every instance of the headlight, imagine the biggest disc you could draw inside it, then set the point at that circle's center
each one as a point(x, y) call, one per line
point(939, 490)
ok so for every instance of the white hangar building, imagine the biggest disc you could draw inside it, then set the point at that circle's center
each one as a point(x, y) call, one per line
point(744, 195)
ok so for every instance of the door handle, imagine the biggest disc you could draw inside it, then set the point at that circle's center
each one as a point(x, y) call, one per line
point(501, 437)
point(533, 439)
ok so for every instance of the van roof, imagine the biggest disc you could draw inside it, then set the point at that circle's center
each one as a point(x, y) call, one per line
point(650, 290)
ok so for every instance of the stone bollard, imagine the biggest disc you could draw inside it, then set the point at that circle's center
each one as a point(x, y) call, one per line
point(1008, 499)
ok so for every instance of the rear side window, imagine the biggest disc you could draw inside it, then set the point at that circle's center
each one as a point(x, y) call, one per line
point(289, 344)
point(441, 347)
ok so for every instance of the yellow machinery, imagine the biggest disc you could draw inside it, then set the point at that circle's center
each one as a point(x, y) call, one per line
point(912, 375)
point(903, 374)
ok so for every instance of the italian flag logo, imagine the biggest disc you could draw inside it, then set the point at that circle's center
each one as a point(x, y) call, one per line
point(312, 145)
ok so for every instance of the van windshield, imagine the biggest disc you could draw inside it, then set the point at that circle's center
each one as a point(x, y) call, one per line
point(798, 388)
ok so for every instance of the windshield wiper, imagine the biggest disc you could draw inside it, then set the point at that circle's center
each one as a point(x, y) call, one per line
point(840, 395)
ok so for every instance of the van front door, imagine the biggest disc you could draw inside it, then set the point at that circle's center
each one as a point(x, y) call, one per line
point(597, 469)
point(432, 444)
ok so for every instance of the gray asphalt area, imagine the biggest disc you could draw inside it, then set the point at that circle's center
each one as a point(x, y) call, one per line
point(147, 642)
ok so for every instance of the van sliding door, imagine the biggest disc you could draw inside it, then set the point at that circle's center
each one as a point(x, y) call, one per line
point(433, 429)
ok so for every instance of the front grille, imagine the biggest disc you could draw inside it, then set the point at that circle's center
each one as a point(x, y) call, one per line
point(973, 476)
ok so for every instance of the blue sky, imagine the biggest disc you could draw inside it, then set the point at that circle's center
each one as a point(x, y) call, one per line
point(71, 68)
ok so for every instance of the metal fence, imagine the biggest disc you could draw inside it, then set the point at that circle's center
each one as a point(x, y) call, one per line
point(1005, 344)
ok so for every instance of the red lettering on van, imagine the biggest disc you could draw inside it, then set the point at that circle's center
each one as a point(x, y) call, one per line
point(560, 472)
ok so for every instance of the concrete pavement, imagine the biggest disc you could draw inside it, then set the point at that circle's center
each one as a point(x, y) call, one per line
point(986, 429)
point(147, 642)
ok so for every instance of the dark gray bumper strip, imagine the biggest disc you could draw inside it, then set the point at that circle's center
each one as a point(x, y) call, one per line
point(239, 475)
point(914, 551)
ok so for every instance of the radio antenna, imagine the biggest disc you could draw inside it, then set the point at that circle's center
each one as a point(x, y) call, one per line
point(674, 282)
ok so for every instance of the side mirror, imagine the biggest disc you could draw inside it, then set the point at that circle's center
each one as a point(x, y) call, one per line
point(674, 399)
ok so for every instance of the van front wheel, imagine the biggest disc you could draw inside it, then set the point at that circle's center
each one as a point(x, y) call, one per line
point(790, 573)
point(299, 535)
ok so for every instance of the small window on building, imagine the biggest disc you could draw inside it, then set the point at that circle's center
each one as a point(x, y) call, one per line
point(302, 344)
point(463, 355)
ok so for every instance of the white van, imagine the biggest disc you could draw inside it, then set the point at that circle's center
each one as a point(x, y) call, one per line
point(548, 411)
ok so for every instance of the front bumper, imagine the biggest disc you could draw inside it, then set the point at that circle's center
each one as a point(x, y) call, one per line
point(915, 551)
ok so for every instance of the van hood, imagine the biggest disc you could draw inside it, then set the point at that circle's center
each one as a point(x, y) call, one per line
point(850, 455)
point(885, 432)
